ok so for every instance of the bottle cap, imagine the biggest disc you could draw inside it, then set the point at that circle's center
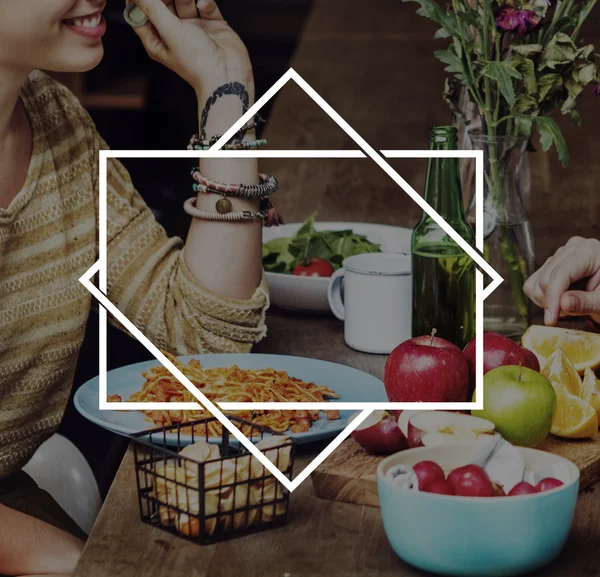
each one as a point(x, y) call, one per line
point(134, 15)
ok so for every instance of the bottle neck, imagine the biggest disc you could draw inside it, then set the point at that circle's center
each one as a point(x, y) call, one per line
point(443, 189)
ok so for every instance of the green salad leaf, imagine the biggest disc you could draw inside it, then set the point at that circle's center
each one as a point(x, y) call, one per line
point(284, 254)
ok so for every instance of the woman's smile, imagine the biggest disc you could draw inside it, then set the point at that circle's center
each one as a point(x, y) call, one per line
point(90, 26)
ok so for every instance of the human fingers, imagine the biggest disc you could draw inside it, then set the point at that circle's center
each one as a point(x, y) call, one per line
point(167, 24)
point(580, 263)
point(578, 303)
point(209, 10)
point(186, 9)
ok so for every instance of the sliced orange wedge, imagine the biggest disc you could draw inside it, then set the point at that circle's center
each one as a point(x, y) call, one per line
point(591, 390)
point(559, 370)
point(574, 417)
point(582, 348)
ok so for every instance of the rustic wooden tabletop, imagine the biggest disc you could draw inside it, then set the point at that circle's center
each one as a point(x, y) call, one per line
point(373, 63)
point(321, 538)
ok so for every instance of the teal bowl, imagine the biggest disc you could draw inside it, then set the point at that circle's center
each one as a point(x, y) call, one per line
point(497, 536)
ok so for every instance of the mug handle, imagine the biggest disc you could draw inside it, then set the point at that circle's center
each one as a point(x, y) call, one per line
point(334, 294)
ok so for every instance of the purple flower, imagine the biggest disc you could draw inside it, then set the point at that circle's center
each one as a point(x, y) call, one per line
point(597, 90)
point(523, 21)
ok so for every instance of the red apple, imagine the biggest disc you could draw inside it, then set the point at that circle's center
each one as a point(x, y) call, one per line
point(499, 351)
point(379, 433)
point(439, 486)
point(471, 481)
point(426, 369)
point(522, 488)
point(428, 471)
point(548, 484)
point(437, 428)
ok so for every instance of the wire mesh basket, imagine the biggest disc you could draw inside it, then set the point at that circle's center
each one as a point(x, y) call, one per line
point(214, 488)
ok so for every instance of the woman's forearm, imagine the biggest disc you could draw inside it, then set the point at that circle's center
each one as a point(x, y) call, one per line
point(31, 547)
point(226, 257)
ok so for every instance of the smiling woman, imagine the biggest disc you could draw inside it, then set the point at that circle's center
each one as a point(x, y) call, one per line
point(210, 297)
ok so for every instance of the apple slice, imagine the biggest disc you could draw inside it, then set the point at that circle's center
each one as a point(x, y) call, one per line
point(379, 433)
point(437, 428)
point(403, 419)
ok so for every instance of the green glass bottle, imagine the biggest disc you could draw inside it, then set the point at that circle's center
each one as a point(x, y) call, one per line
point(443, 274)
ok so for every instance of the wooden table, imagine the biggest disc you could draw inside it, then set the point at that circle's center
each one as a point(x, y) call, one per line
point(321, 539)
point(373, 63)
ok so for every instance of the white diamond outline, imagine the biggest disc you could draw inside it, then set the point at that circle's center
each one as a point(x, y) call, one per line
point(215, 152)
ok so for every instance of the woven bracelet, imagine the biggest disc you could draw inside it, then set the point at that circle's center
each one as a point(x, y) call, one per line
point(239, 216)
point(267, 187)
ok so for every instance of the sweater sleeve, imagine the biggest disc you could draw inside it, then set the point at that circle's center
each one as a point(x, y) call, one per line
point(151, 284)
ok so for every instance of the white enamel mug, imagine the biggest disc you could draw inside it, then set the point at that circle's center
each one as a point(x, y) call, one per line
point(372, 294)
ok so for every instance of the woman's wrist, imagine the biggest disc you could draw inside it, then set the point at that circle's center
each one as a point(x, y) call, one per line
point(222, 105)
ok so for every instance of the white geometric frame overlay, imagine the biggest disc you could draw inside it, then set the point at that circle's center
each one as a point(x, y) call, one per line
point(215, 152)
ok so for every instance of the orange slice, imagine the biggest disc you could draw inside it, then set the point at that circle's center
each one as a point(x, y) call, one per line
point(559, 370)
point(582, 348)
point(591, 390)
point(574, 417)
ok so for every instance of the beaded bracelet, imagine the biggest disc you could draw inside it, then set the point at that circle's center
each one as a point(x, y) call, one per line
point(267, 213)
point(239, 216)
point(267, 187)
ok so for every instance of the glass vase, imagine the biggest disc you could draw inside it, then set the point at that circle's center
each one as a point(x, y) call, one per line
point(507, 231)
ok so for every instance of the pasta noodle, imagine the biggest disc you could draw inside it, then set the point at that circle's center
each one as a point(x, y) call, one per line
point(231, 384)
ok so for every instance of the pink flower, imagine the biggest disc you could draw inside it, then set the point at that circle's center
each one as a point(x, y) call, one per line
point(597, 90)
point(523, 21)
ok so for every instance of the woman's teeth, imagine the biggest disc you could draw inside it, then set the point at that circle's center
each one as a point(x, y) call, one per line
point(87, 21)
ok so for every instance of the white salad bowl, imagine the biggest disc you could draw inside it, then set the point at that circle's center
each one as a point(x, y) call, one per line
point(309, 294)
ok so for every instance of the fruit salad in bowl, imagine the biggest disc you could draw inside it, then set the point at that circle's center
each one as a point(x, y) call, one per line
point(455, 510)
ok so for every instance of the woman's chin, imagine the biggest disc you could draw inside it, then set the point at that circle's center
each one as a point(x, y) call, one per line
point(80, 61)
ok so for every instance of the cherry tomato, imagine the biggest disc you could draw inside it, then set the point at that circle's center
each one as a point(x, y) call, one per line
point(313, 267)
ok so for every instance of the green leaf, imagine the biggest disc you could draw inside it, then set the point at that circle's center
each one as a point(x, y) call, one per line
point(550, 134)
point(575, 117)
point(442, 33)
point(526, 49)
point(574, 88)
point(503, 73)
point(524, 125)
point(549, 83)
point(308, 226)
point(568, 105)
point(525, 104)
point(470, 17)
point(560, 51)
point(432, 10)
point(564, 22)
point(527, 69)
point(279, 267)
point(448, 57)
point(587, 74)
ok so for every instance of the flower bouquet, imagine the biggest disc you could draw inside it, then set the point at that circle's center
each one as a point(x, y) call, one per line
point(516, 62)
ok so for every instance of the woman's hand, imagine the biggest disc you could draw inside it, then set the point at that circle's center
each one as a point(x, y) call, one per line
point(549, 287)
point(192, 39)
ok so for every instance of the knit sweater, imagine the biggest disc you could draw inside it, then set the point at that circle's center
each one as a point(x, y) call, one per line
point(49, 238)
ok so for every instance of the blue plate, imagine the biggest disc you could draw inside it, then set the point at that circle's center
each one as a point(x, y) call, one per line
point(349, 383)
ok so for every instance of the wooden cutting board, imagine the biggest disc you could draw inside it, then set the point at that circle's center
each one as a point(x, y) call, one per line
point(350, 474)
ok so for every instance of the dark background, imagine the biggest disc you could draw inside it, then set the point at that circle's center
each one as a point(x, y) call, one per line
point(137, 103)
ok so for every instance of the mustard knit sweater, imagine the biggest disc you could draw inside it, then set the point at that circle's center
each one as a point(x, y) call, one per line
point(49, 238)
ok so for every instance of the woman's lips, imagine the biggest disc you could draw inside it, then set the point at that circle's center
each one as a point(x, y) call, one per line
point(92, 26)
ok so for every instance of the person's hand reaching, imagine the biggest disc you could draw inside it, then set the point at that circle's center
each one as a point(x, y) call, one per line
point(550, 287)
point(191, 38)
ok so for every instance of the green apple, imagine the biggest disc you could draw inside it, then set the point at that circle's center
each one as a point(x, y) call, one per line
point(520, 402)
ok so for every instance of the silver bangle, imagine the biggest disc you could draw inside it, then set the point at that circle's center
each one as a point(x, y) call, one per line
point(239, 216)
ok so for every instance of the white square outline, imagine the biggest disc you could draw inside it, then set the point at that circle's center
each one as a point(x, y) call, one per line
point(215, 152)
